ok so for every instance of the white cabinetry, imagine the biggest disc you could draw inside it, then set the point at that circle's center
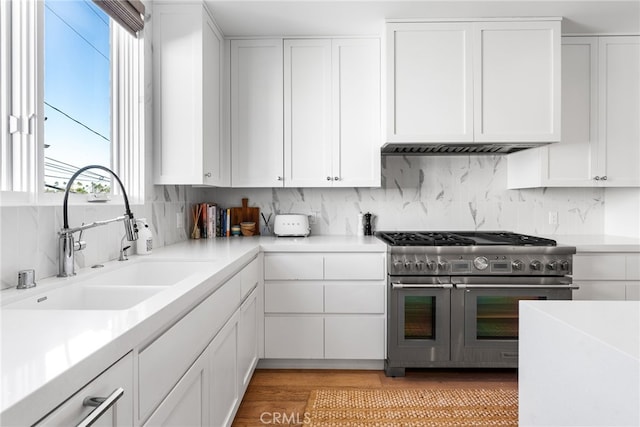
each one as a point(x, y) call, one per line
point(196, 372)
point(73, 410)
point(256, 113)
point(600, 141)
point(607, 276)
point(473, 81)
point(324, 93)
point(333, 311)
point(187, 81)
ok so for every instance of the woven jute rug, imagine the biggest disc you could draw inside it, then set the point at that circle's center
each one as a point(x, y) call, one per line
point(411, 408)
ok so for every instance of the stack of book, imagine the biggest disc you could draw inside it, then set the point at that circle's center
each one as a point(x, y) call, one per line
point(210, 220)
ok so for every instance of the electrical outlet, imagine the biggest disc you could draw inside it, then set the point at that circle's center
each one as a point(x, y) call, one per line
point(179, 223)
point(553, 217)
point(313, 218)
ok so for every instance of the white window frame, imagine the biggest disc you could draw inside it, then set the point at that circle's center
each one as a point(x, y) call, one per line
point(22, 75)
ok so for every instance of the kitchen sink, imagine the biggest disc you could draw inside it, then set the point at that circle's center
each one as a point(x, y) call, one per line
point(119, 288)
point(83, 297)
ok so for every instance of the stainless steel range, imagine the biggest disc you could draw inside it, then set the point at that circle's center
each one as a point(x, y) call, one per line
point(453, 296)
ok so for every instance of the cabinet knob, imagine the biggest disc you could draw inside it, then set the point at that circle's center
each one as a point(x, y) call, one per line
point(597, 178)
point(604, 178)
point(208, 174)
point(280, 178)
point(328, 178)
point(337, 178)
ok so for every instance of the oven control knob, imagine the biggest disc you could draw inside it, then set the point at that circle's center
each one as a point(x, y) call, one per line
point(517, 265)
point(407, 265)
point(419, 265)
point(552, 266)
point(535, 265)
point(481, 263)
point(397, 264)
point(431, 265)
point(564, 265)
point(443, 265)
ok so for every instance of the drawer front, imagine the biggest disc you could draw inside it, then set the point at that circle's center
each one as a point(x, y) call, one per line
point(291, 337)
point(600, 290)
point(599, 267)
point(293, 297)
point(293, 267)
point(249, 277)
point(340, 297)
point(354, 266)
point(72, 412)
point(165, 360)
point(354, 337)
point(633, 267)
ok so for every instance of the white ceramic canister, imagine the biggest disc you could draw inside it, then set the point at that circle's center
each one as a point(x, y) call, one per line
point(144, 244)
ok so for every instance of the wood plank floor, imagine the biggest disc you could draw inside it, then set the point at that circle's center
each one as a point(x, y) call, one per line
point(273, 392)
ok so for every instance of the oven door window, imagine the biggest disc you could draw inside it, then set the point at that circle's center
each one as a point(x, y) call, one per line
point(497, 316)
point(419, 317)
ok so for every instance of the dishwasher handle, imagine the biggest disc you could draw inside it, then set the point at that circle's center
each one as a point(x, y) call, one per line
point(102, 404)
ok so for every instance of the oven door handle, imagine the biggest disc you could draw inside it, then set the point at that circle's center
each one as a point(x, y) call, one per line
point(399, 285)
point(528, 286)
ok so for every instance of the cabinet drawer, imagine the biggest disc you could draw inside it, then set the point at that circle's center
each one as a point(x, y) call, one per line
point(599, 267)
point(72, 412)
point(293, 267)
point(249, 277)
point(600, 290)
point(296, 297)
point(182, 344)
point(354, 266)
point(354, 298)
point(354, 337)
point(294, 337)
point(633, 267)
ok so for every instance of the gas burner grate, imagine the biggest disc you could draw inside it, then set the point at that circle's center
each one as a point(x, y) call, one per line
point(424, 239)
point(461, 238)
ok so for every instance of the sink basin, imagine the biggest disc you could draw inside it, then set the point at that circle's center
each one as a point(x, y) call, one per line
point(82, 297)
point(148, 273)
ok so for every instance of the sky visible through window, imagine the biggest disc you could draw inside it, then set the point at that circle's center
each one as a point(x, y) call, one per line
point(76, 92)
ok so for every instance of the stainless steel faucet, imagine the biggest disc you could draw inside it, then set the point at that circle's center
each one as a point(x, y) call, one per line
point(67, 247)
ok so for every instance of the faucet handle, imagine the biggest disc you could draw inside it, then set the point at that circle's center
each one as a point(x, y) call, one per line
point(79, 244)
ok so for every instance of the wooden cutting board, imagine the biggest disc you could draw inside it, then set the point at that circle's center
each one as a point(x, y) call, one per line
point(246, 214)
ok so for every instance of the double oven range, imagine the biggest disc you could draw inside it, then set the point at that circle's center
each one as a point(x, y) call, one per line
point(453, 296)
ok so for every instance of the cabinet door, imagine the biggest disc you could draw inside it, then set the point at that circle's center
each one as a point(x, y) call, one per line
point(256, 113)
point(72, 412)
point(247, 340)
point(224, 374)
point(178, 94)
point(429, 82)
point(517, 81)
point(619, 110)
point(307, 113)
point(356, 112)
point(572, 161)
point(214, 154)
point(188, 403)
point(294, 337)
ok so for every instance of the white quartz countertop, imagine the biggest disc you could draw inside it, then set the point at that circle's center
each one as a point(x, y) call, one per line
point(598, 242)
point(47, 353)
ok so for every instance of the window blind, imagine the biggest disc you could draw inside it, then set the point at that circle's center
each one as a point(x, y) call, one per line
point(128, 13)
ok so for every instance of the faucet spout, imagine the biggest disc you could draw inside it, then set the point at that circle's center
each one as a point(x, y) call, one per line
point(66, 245)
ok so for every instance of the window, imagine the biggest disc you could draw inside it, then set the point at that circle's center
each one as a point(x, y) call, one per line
point(77, 95)
point(72, 84)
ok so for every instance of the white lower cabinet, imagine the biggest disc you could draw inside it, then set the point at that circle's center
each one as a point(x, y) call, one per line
point(335, 310)
point(607, 276)
point(73, 411)
point(196, 372)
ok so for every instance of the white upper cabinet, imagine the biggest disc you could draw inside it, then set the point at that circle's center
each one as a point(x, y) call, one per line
point(473, 81)
point(517, 81)
point(187, 60)
point(600, 144)
point(256, 113)
point(430, 88)
point(324, 93)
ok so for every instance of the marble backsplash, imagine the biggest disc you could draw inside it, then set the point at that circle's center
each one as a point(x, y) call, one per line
point(30, 233)
point(434, 193)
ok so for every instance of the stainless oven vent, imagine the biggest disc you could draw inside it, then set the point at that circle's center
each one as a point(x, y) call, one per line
point(414, 149)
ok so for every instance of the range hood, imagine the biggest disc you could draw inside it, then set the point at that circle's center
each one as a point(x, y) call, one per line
point(449, 149)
